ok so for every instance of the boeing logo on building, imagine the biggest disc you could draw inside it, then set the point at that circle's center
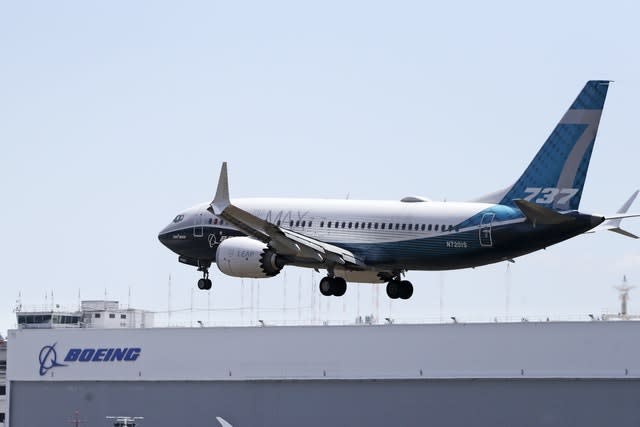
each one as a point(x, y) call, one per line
point(48, 357)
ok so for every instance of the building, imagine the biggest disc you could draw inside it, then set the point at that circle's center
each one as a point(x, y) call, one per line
point(92, 314)
point(3, 380)
point(526, 374)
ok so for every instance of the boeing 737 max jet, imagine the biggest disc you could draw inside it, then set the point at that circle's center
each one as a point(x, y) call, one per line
point(379, 241)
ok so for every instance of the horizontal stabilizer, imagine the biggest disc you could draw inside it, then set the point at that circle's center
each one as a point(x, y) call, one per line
point(537, 214)
point(623, 232)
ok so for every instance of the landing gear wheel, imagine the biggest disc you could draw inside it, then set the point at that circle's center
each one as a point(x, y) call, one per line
point(393, 289)
point(333, 286)
point(406, 289)
point(339, 286)
point(326, 287)
point(205, 282)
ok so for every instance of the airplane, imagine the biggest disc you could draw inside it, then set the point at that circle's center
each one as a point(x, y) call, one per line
point(370, 241)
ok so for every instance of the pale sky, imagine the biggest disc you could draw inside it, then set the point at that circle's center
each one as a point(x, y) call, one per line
point(115, 116)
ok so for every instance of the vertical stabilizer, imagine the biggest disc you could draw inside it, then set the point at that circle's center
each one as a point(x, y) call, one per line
point(556, 175)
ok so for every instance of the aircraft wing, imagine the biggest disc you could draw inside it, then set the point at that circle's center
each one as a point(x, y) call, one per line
point(284, 242)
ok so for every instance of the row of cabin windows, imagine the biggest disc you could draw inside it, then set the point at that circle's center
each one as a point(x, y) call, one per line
point(363, 225)
point(374, 225)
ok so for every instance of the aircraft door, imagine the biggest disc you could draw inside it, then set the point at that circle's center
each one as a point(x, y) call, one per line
point(485, 230)
point(198, 229)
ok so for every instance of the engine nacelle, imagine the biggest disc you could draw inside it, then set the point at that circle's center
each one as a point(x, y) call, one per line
point(246, 257)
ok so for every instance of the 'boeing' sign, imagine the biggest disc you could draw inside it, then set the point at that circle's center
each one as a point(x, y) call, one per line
point(48, 356)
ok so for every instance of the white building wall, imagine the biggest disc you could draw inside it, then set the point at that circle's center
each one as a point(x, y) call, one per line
point(518, 350)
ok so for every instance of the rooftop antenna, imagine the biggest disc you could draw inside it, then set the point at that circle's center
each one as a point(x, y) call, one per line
point(129, 298)
point(624, 296)
point(169, 302)
point(19, 302)
point(507, 296)
point(76, 421)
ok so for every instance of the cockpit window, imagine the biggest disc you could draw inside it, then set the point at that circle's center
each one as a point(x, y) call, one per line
point(178, 218)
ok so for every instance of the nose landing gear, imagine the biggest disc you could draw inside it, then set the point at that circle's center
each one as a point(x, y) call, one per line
point(205, 282)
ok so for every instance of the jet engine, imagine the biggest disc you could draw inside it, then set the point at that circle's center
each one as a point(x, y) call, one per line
point(247, 257)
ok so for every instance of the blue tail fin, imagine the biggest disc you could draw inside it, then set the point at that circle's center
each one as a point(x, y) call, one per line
point(555, 177)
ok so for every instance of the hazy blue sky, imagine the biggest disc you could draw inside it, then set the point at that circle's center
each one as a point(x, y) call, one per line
point(116, 115)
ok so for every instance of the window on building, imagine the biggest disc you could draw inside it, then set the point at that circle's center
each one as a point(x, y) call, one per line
point(1, 417)
point(112, 315)
point(3, 390)
point(97, 315)
point(123, 316)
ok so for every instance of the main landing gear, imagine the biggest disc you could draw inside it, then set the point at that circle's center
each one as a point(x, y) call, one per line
point(397, 288)
point(337, 286)
point(205, 282)
point(333, 286)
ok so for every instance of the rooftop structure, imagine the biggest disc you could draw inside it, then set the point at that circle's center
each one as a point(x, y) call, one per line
point(92, 314)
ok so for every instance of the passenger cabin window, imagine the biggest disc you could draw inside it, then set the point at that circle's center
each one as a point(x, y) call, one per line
point(429, 228)
point(404, 226)
point(350, 224)
point(343, 224)
point(329, 224)
point(303, 223)
point(278, 223)
point(375, 225)
point(310, 223)
point(291, 223)
point(422, 228)
point(321, 224)
point(382, 225)
point(436, 227)
point(297, 223)
point(356, 225)
point(369, 225)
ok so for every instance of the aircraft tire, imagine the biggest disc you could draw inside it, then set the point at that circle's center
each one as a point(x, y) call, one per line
point(406, 289)
point(326, 286)
point(202, 284)
point(393, 289)
point(339, 286)
point(208, 284)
